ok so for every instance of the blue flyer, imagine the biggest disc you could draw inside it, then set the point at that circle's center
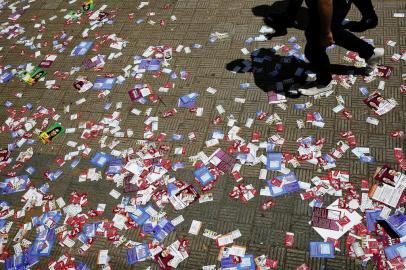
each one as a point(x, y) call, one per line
point(81, 48)
point(322, 249)
point(396, 250)
point(203, 176)
point(140, 215)
point(274, 161)
point(15, 184)
point(104, 83)
point(188, 101)
point(100, 159)
point(290, 184)
point(138, 254)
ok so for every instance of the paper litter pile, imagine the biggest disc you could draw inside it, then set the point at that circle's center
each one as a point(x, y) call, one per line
point(139, 162)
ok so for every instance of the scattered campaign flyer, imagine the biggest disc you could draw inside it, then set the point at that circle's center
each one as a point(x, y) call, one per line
point(51, 133)
point(387, 175)
point(386, 194)
point(104, 83)
point(274, 161)
point(283, 184)
point(138, 254)
point(396, 250)
point(172, 256)
point(188, 101)
point(82, 84)
point(15, 184)
point(322, 250)
point(81, 48)
point(222, 160)
point(352, 218)
point(184, 197)
point(48, 61)
point(95, 61)
point(88, 5)
point(140, 93)
point(326, 218)
point(203, 176)
point(162, 229)
point(394, 225)
point(379, 104)
point(6, 76)
point(31, 77)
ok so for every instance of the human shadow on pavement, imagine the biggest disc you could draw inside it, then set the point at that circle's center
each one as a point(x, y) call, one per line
point(274, 16)
point(278, 73)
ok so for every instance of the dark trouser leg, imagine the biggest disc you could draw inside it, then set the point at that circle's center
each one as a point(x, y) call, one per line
point(366, 8)
point(319, 61)
point(349, 41)
point(314, 52)
point(369, 18)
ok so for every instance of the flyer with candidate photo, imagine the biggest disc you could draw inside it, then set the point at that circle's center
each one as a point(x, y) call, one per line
point(31, 77)
point(51, 133)
point(379, 104)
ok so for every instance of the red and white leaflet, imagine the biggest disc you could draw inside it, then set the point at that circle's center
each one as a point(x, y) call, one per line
point(386, 194)
point(289, 239)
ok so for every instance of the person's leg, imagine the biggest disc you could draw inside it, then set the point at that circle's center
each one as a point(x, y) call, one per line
point(318, 58)
point(349, 41)
point(366, 8)
point(369, 18)
point(316, 54)
point(319, 64)
point(340, 11)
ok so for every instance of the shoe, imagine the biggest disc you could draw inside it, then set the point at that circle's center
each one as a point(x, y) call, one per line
point(373, 61)
point(315, 90)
